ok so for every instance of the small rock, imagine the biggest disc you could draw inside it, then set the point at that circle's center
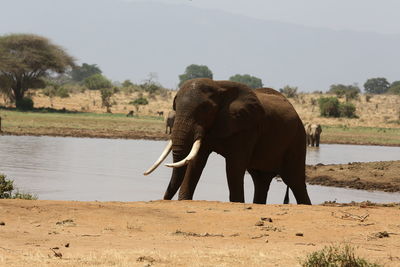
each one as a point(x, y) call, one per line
point(382, 234)
point(259, 223)
point(299, 234)
point(248, 208)
point(266, 219)
point(2, 223)
point(67, 245)
point(190, 211)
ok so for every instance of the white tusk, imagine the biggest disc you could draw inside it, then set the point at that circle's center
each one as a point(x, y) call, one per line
point(185, 161)
point(163, 155)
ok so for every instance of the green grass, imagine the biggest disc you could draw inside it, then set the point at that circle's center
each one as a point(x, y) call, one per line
point(336, 256)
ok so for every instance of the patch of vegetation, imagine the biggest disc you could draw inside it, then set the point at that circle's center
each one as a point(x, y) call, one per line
point(331, 107)
point(349, 91)
point(140, 101)
point(250, 81)
point(25, 103)
point(289, 91)
point(7, 188)
point(336, 256)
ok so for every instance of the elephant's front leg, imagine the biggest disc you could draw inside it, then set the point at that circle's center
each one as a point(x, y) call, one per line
point(235, 174)
point(192, 175)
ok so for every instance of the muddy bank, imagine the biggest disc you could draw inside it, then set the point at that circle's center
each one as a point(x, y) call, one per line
point(189, 233)
point(381, 176)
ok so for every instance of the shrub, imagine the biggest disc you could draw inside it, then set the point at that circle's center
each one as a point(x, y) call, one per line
point(62, 92)
point(329, 106)
point(7, 187)
point(336, 257)
point(140, 101)
point(347, 110)
point(25, 103)
point(289, 91)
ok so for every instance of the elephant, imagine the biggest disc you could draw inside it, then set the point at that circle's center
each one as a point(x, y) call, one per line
point(169, 123)
point(254, 130)
point(313, 132)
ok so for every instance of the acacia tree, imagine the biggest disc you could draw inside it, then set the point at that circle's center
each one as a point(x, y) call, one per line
point(251, 81)
point(25, 59)
point(195, 71)
point(376, 86)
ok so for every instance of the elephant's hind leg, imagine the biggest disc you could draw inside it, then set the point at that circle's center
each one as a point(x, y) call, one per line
point(261, 181)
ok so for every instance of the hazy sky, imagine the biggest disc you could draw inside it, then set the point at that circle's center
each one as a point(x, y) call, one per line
point(311, 44)
point(381, 16)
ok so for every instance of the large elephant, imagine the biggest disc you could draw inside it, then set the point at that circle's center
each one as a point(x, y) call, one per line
point(313, 132)
point(255, 130)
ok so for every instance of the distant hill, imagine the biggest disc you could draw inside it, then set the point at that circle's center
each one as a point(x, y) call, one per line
point(129, 40)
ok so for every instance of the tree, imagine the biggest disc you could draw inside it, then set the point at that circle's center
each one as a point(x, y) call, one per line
point(349, 91)
point(140, 101)
point(376, 86)
point(195, 71)
point(106, 94)
point(250, 81)
point(127, 83)
point(289, 91)
point(80, 73)
point(25, 59)
point(96, 82)
point(395, 88)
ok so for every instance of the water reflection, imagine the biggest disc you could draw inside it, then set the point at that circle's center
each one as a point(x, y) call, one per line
point(111, 169)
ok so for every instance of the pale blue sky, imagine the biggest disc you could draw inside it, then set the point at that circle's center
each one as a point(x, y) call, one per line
point(381, 16)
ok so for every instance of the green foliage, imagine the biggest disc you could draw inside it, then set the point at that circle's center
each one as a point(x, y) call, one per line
point(7, 188)
point(106, 94)
point(347, 110)
point(127, 83)
point(25, 103)
point(195, 71)
point(96, 82)
point(80, 73)
point(289, 91)
point(394, 88)
point(25, 59)
point(250, 81)
point(376, 86)
point(329, 106)
point(56, 90)
point(336, 256)
point(140, 101)
point(349, 91)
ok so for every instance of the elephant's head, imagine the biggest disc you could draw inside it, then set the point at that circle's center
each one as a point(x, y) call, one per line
point(207, 109)
point(315, 129)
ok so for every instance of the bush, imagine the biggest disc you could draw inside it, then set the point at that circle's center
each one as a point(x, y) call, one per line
point(289, 91)
point(329, 106)
point(25, 103)
point(347, 110)
point(7, 187)
point(336, 257)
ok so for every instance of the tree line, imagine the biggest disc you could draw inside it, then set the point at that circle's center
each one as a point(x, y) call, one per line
point(29, 61)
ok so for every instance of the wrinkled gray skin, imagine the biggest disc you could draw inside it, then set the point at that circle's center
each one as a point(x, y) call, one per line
point(254, 130)
point(169, 123)
point(313, 132)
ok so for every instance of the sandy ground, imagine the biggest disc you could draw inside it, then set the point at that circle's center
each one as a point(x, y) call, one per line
point(190, 233)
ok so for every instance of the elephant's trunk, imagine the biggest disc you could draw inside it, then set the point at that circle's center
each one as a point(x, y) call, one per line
point(192, 154)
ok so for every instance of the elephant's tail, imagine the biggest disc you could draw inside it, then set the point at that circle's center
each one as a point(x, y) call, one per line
point(286, 200)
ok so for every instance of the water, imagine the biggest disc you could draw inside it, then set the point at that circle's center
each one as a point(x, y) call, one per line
point(83, 169)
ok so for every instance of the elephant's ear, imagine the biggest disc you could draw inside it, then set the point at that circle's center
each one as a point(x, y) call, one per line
point(240, 109)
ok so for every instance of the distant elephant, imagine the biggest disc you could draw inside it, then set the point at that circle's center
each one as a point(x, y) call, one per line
point(169, 123)
point(255, 130)
point(313, 132)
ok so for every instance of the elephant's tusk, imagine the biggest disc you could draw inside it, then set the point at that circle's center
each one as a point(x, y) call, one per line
point(185, 161)
point(163, 155)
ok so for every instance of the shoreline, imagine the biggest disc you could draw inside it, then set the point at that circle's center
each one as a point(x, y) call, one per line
point(153, 137)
